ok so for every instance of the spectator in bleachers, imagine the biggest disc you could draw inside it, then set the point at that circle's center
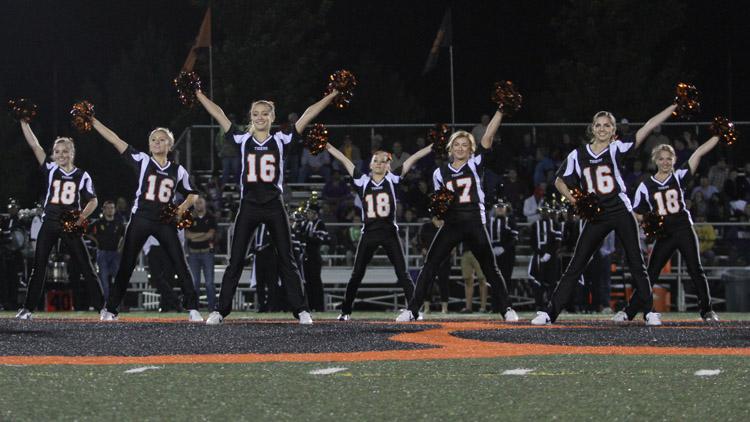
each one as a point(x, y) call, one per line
point(532, 204)
point(730, 189)
point(513, 190)
point(718, 173)
point(426, 164)
point(698, 203)
point(543, 164)
point(294, 153)
point(213, 195)
point(200, 246)
point(706, 234)
point(122, 209)
point(352, 152)
point(632, 177)
point(743, 183)
point(479, 129)
point(469, 268)
point(682, 153)
point(319, 164)
point(351, 237)
point(623, 129)
point(399, 155)
point(335, 189)
point(419, 198)
point(229, 153)
point(706, 189)
point(525, 157)
point(654, 139)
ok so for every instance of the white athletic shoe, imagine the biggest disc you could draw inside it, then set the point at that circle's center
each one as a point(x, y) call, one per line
point(620, 316)
point(541, 318)
point(420, 316)
point(214, 318)
point(305, 318)
point(510, 315)
point(194, 316)
point(105, 315)
point(344, 317)
point(653, 318)
point(23, 314)
point(406, 316)
point(710, 317)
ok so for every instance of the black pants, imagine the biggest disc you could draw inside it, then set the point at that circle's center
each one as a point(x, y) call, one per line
point(686, 242)
point(136, 234)
point(49, 233)
point(589, 241)
point(161, 273)
point(267, 281)
point(368, 244)
point(474, 235)
point(595, 293)
point(313, 284)
point(248, 218)
point(506, 262)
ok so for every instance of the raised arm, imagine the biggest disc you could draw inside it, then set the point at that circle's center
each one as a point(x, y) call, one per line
point(335, 153)
point(312, 112)
point(409, 162)
point(33, 142)
point(492, 128)
point(702, 150)
point(110, 136)
point(214, 110)
point(652, 123)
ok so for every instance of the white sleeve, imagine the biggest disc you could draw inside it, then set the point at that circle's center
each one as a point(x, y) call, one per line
point(437, 179)
point(284, 137)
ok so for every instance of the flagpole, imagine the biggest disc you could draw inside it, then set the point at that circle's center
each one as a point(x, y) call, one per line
point(211, 94)
point(453, 95)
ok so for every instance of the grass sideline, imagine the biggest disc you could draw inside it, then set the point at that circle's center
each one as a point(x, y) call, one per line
point(564, 387)
point(561, 387)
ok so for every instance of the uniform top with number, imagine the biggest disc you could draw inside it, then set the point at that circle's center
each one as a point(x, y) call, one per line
point(465, 183)
point(156, 184)
point(599, 173)
point(378, 200)
point(666, 198)
point(66, 191)
point(262, 164)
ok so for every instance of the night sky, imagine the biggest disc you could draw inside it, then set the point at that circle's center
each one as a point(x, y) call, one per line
point(53, 48)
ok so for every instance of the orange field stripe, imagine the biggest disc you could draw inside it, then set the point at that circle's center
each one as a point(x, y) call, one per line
point(446, 346)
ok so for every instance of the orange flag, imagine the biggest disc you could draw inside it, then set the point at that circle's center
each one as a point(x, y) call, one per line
point(203, 40)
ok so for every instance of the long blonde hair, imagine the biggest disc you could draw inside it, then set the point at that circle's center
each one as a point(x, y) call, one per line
point(659, 148)
point(590, 128)
point(66, 141)
point(462, 134)
point(250, 128)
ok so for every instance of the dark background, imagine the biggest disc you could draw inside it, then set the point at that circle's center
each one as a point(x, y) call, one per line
point(569, 58)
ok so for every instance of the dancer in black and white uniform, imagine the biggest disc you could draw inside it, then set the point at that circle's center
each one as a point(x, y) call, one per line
point(262, 177)
point(664, 194)
point(158, 179)
point(377, 191)
point(68, 188)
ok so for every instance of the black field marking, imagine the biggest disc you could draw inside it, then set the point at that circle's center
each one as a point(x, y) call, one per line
point(66, 338)
point(726, 334)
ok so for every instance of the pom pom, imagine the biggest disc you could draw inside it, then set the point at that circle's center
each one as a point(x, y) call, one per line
point(22, 109)
point(438, 137)
point(82, 113)
point(68, 221)
point(187, 83)
point(169, 216)
point(344, 82)
point(653, 226)
point(317, 138)
point(440, 201)
point(687, 101)
point(587, 204)
point(507, 97)
point(724, 129)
